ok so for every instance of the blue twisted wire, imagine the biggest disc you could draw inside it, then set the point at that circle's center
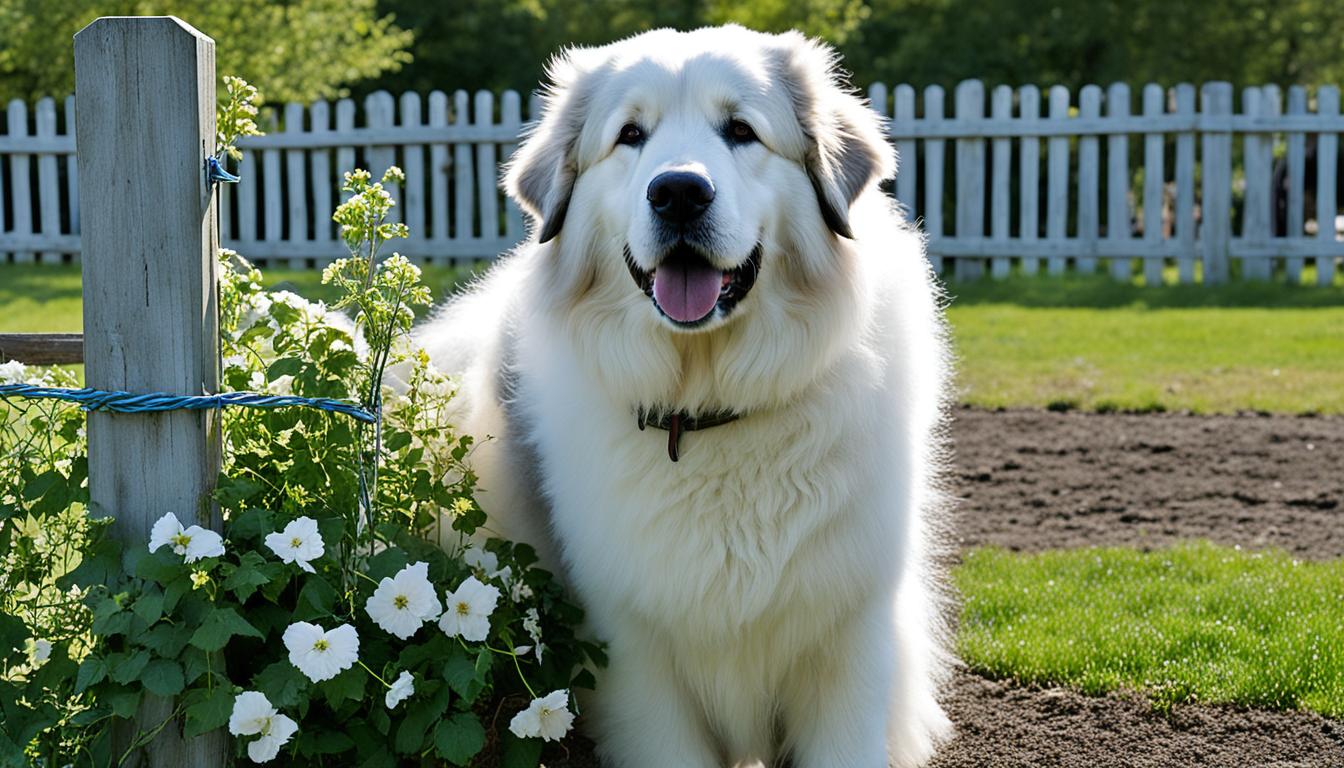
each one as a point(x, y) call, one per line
point(125, 402)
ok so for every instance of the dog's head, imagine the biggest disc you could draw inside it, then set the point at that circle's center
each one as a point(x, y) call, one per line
point(688, 150)
point(678, 176)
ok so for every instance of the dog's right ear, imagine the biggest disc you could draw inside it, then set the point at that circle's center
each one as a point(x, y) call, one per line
point(541, 175)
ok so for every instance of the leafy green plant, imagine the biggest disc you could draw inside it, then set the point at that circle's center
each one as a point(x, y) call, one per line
point(352, 611)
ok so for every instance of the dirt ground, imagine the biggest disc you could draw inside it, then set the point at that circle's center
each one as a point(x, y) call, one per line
point(1031, 480)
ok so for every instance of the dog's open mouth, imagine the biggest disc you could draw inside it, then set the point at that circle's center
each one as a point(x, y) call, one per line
point(687, 289)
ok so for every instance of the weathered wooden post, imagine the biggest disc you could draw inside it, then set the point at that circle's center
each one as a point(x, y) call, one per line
point(145, 120)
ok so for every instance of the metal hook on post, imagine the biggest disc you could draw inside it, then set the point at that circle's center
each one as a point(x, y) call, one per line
point(215, 173)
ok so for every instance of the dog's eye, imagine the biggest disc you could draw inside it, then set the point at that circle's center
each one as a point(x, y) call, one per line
point(740, 133)
point(631, 135)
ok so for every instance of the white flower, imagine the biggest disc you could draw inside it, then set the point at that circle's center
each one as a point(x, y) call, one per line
point(257, 381)
point(519, 591)
point(547, 717)
point(192, 543)
point(268, 746)
point(532, 624)
point(252, 714)
point(299, 543)
point(12, 372)
point(41, 650)
point(481, 560)
point(321, 655)
point(402, 603)
point(400, 690)
point(469, 609)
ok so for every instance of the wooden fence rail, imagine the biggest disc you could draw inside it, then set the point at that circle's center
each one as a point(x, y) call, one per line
point(1206, 181)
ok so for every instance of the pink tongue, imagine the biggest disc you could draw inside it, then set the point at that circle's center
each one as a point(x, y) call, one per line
point(686, 291)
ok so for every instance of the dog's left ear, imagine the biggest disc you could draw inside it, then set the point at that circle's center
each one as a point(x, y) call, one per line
point(848, 147)
point(542, 172)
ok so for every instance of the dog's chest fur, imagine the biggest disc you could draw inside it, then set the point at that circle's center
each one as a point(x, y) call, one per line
point(747, 533)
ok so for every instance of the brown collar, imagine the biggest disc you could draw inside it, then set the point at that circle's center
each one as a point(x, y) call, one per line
point(677, 422)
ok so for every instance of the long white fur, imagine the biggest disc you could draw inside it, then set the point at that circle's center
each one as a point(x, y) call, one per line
point(772, 592)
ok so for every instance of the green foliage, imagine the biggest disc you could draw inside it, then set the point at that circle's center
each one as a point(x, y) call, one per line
point(293, 50)
point(1195, 623)
point(495, 45)
point(122, 622)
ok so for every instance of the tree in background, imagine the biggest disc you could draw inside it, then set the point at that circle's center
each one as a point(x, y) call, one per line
point(497, 44)
point(296, 50)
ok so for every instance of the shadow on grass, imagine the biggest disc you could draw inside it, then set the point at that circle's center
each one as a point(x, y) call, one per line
point(39, 283)
point(1103, 292)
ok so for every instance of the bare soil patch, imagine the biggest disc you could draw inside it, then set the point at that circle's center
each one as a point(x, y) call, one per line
point(1032, 480)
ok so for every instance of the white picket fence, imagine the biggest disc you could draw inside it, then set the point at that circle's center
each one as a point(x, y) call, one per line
point(1218, 191)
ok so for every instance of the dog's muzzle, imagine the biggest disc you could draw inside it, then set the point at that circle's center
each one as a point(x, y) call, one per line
point(689, 290)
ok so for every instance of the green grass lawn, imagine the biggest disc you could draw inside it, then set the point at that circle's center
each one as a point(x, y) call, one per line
point(1070, 342)
point(1193, 623)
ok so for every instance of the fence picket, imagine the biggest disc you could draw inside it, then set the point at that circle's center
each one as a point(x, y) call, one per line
point(296, 183)
point(272, 224)
point(20, 191)
point(345, 125)
point(438, 173)
point(1255, 210)
point(48, 183)
point(1327, 148)
point(1117, 179)
point(511, 117)
point(1057, 193)
point(380, 111)
point(1294, 179)
point(463, 224)
point(1154, 183)
point(320, 159)
point(970, 223)
point(1216, 204)
point(487, 166)
point(71, 174)
point(907, 171)
point(1029, 109)
point(413, 194)
point(248, 218)
point(1185, 187)
point(1001, 108)
point(933, 176)
point(1089, 182)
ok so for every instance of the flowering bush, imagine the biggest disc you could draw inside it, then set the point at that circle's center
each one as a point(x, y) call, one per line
point(353, 611)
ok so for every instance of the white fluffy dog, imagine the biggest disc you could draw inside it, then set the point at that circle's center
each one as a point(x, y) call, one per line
point(714, 378)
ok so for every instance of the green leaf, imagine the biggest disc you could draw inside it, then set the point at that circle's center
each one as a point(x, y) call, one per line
point(220, 625)
point(248, 576)
point(234, 492)
point(252, 524)
point(13, 633)
point(411, 736)
point(163, 566)
point(282, 683)
point(285, 366)
point(316, 599)
point(123, 668)
point(92, 671)
point(109, 619)
point(149, 606)
point(467, 676)
point(348, 685)
point(163, 677)
point(124, 702)
point(520, 753)
point(209, 713)
point(324, 742)
point(166, 640)
point(459, 738)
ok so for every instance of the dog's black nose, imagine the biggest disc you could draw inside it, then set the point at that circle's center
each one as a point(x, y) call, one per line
point(679, 197)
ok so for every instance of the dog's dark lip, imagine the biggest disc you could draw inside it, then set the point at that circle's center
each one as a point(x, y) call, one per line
point(740, 280)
